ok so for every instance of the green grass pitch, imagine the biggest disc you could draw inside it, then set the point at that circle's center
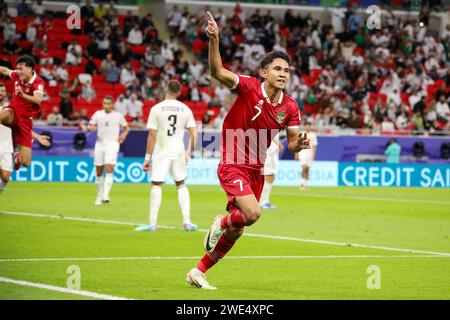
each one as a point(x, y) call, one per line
point(300, 251)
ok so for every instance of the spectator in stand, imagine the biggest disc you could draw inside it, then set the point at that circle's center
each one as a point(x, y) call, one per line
point(90, 66)
point(88, 92)
point(23, 9)
point(113, 73)
point(87, 11)
point(174, 19)
point(122, 105)
point(106, 64)
point(222, 93)
point(135, 110)
point(32, 30)
point(11, 47)
point(38, 9)
point(55, 118)
point(3, 7)
point(66, 106)
point(100, 11)
point(442, 110)
point(135, 35)
point(127, 75)
point(72, 57)
point(9, 29)
point(61, 73)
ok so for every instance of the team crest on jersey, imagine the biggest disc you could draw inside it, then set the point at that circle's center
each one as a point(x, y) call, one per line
point(281, 116)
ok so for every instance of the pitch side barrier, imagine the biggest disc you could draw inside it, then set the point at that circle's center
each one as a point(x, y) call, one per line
point(204, 172)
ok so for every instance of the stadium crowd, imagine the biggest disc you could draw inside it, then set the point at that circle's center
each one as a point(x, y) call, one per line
point(343, 74)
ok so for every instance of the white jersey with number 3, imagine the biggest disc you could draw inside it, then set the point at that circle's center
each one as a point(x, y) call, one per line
point(108, 129)
point(170, 118)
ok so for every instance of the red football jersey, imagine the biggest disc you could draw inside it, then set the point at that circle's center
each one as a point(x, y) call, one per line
point(19, 104)
point(253, 121)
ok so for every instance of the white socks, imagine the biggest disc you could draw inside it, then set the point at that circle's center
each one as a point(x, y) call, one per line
point(2, 185)
point(185, 203)
point(265, 195)
point(155, 203)
point(99, 185)
point(303, 182)
point(109, 179)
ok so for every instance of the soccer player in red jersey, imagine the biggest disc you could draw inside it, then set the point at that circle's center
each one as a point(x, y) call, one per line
point(26, 99)
point(260, 111)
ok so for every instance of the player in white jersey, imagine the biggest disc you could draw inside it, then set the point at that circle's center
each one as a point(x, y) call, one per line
point(307, 156)
point(168, 121)
point(108, 124)
point(6, 144)
point(270, 169)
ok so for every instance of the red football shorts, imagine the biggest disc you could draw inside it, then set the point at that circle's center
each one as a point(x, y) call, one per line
point(21, 128)
point(237, 180)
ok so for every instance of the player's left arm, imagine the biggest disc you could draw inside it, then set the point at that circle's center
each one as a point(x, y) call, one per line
point(42, 139)
point(151, 141)
point(297, 141)
point(124, 134)
point(35, 99)
point(193, 141)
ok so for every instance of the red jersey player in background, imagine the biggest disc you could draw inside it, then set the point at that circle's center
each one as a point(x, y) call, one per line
point(260, 111)
point(28, 90)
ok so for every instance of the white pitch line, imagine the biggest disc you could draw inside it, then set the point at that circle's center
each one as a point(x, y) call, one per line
point(341, 244)
point(318, 195)
point(62, 289)
point(227, 257)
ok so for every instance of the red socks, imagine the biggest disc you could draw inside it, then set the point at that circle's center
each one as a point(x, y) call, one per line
point(211, 258)
point(234, 219)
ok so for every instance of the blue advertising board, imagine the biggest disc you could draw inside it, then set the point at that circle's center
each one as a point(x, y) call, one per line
point(128, 170)
point(394, 175)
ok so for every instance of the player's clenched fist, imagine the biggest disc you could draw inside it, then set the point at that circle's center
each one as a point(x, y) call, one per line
point(146, 166)
point(212, 30)
point(303, 141)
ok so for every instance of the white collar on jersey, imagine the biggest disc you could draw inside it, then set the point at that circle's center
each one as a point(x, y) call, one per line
point(33, 78)
point(267, 98)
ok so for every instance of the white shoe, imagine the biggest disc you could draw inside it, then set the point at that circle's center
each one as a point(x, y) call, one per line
point(98, 202)
point(106, 199)
point(198, 279)
point(213, 235)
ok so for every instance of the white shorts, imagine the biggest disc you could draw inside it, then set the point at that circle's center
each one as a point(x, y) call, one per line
point(103, 157)
point(6, 161)
point(160, 168)
point(306, 158)
point(271, 164)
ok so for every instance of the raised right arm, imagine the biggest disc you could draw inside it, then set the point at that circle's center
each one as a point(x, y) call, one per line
point(5, 71)
point(216, 68)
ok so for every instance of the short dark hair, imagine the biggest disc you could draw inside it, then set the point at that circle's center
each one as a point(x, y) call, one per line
point(109, 98)
point(174, 86)
point(268, 59)
point(27, 60)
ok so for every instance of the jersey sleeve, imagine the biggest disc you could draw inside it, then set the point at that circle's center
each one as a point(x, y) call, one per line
point(152, 122)
point(243, 84)
point(94, 119)
point(294, 117)
point(122, 121)
point(38, 86)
